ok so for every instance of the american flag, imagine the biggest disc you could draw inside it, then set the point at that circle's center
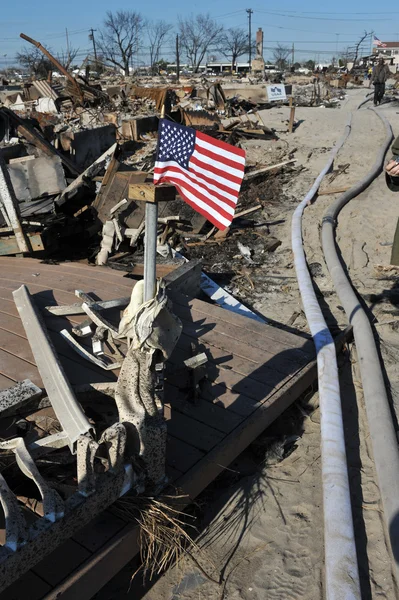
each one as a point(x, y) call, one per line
point(378, 42)
point(206, 172)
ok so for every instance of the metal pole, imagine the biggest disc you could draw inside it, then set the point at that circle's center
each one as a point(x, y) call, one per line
point(150, 249)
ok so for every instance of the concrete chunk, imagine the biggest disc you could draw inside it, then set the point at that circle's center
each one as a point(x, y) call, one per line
point(15, 397)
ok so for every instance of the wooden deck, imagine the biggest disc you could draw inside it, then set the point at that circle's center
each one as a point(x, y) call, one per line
point(254, 373)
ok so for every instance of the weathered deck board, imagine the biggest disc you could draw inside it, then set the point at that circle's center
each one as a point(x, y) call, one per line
point(254, 372)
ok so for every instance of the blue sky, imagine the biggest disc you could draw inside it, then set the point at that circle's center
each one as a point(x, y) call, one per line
point(317, 29)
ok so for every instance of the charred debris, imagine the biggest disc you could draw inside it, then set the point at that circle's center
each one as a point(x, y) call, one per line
point(75, 153)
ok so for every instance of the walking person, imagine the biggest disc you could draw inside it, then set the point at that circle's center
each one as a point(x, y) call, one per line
point(379, 77)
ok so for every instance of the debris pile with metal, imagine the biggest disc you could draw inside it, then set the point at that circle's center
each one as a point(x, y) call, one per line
point(74, 157)
point(80, 464)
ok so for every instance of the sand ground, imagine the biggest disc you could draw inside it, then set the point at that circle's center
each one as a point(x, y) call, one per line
point(261, 522)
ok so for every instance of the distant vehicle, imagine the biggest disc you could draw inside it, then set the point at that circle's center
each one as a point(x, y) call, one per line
point(272, 69)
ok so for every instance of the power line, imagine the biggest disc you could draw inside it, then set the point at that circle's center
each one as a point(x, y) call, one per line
point(295, 16)
point(315, 12)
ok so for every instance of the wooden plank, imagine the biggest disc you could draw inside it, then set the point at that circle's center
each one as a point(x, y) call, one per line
point(267, 372)
point(185, 279)
point(65, 283)
point(101, 529)
point(77, 370)
point(233, 381)
point(12, 324)
point(210, 310)
point(196, 479)
point(99, 273)
point(180, 455)
point(172, 474)
point(100, 568)
point(281, 360)
point(205, 412)
point(222, 396)
point(15, 368)
point(6, 382)
point(190, 431)
point(28, 587)
point(61, 562)
point(259, 339)
point(52, 296)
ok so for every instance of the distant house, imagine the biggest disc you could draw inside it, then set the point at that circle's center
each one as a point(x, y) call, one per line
point(391, 51)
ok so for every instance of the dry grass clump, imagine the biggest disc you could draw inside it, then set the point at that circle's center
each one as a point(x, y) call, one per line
point(163, 539)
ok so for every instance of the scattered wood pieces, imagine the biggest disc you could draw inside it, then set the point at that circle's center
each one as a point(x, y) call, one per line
point(334, 191)
point(253, 174)
point(248, 211)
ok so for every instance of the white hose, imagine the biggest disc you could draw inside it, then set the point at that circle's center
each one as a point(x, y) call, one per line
point(341, 568)
point(379, 416)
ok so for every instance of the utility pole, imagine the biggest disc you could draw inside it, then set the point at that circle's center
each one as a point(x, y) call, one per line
point(250, 13)
point(177, 59)
point(293, 53)
point(67, 43)
point(91, 37)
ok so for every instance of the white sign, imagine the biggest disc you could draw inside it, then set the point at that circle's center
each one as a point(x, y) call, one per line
point(276, 92)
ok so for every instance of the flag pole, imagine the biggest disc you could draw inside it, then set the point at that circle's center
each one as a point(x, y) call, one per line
point(150, 244)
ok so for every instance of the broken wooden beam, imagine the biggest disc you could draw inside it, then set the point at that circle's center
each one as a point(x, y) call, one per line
point(186, 279)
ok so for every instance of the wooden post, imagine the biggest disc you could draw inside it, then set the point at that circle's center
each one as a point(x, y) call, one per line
point(292, 115)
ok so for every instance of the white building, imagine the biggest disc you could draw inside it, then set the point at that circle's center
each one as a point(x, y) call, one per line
point(390, 52)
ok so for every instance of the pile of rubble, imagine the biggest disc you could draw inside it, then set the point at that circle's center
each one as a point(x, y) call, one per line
point(319, 93)
point(76, 161)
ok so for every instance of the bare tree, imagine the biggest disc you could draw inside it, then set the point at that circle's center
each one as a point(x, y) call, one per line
point(157, 32)
point(120, 37)
point(233, 44)
point(197, 34)
point(357, 48)
point(66, 58)
point(280, 55)
point(35, 62)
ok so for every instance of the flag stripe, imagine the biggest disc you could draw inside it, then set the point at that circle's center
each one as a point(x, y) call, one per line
point(202, 143)
point(226, 197)
point(218, 204)
point(200, 205)
point(228, 193)
point(223, 167)
point(216, 157)
point(198, 167)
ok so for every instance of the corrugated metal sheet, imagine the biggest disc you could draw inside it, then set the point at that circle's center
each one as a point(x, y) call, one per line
point(45, 89)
